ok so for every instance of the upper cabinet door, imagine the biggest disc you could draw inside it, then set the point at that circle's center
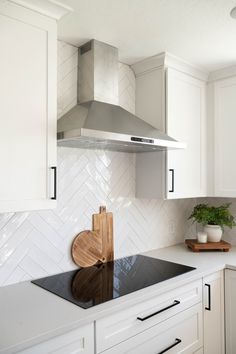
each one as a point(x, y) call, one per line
point(225, 142)
point(178, 107)
point(186, 122)
point(27, 110)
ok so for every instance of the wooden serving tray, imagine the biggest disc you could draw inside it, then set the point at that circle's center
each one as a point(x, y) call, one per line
point(209, 246)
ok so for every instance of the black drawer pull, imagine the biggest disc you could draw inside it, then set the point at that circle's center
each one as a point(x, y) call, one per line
point(208, 308)
point(55, 182)
point(172, 180)
point(177, 341)
point(176, 302)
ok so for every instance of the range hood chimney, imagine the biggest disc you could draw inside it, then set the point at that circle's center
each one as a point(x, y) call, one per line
point(97, 121)
point(98, 73)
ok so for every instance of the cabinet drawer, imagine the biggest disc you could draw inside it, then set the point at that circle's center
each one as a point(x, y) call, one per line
point(179, 334)
point(77, 341)
point(125, 324)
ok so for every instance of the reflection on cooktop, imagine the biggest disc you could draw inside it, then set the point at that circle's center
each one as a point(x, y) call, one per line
point(95, 285)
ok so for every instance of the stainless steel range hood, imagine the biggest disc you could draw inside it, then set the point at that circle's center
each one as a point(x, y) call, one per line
point(98, 122)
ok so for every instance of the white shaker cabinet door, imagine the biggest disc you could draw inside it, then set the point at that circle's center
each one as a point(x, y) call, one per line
point(230, 310)
point(225, 142)
point(186, 120)
point(27, 109)
point(178, 108)
point(213, 287)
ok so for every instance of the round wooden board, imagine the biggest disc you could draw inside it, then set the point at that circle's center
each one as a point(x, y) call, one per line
point(86, 248)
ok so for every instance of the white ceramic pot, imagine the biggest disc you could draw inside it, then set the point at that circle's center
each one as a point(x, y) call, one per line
point(214, 233)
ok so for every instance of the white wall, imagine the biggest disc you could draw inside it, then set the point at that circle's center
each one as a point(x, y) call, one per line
point(35, 244)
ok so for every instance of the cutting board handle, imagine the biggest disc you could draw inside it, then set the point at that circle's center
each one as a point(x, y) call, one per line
point(102, 209)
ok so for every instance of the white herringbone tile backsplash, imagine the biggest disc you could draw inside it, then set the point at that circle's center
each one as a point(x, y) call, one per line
point(67, 72)
point(126, 88)
point(35, 244)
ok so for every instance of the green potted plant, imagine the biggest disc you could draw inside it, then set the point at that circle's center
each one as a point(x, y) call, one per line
point(213, 219)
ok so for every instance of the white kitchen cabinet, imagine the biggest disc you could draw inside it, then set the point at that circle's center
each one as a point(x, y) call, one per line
point(28, 88)
point(230, 310)
point(174, 101)
point(186, 121)
point(179, 334)
point(213, 307)
point(80, 340)
point(112, 330)
point(224, 138)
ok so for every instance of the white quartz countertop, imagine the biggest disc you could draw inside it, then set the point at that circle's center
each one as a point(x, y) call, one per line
point(30, 315)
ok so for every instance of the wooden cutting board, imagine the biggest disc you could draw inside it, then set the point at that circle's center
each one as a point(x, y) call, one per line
point(103, 225)
point(91, 247)
point(87, 248)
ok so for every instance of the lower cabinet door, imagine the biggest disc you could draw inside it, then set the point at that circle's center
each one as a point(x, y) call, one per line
point(230, 310)
point(80, 340)
point(213, 291)
point(181, 333)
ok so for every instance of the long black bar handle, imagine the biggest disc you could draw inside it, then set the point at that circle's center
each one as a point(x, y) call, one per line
point(176, 302)
point(54, 182)
point(208, 308)
point(172, 180)
point(177, 341)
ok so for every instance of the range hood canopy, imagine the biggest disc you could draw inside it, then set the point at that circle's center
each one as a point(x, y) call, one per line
point(98, 122)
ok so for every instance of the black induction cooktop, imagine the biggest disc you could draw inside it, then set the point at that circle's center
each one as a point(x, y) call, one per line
point(95, 285)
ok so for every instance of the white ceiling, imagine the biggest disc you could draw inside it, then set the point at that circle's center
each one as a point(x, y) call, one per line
point(199, 31)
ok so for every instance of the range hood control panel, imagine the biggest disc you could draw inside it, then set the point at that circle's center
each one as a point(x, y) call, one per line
point(142, 140)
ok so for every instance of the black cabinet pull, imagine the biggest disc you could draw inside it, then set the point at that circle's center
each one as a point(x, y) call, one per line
point(176, 302)
point(208, 308)
point(54, 182)
point(172, 180)
point(177, 341)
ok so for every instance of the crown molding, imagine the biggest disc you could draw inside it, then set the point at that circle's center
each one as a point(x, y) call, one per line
point(51, 8)
point(167, 60)
point(222, 73)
